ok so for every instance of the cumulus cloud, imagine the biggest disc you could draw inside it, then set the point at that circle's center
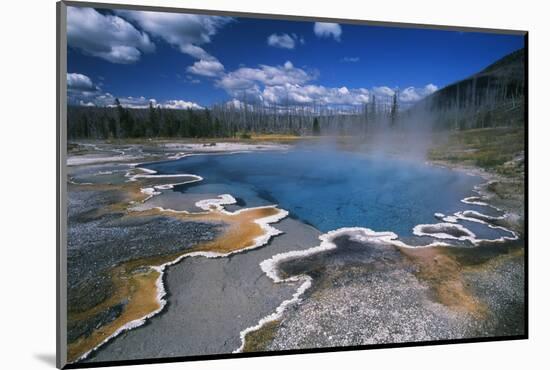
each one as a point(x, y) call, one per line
point(79, 82)
point(383, 91)
point(325, 30)
point(318, 94)
point(430, 88)
point(252, 80)
point(237, 104)
point(181, 104)
point(140, 102)
point(410, 94)
point(86, 104)
point(105, 99)
point(187, 32)
point(283, 41)
point(413, 94)
point(279, 85)
point(208, 68)
point(105, 36)
point(82, 91)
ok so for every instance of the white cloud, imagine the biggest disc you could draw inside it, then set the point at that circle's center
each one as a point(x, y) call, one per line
point(430, 88)
point(237, 104)
point(105, 36)
point(252, 80)
point(317, 94)
point(410, 94)
point(322, 29)
point(184, 31)
point(181, 104)
point(383, 91)
point(284, 84)
point(283, 41)
point(82, 91)
point(350, 59)
point(108, 100)
point(339, 96)
point(413, 94)
point(140, 102)
point(79, 82)
point(208, 68)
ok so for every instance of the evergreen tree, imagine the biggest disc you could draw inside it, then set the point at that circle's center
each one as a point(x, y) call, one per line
point(316, 127)
point(394, 109)
point(153, 120)
point(125, 119)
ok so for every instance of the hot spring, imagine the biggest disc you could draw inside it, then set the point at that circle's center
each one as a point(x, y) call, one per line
point(330, 189)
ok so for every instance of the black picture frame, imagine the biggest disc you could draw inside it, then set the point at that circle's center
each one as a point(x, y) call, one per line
point(61, 189)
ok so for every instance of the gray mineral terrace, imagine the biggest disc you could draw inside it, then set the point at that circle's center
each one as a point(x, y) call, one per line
point(370, 294)
point(211, 301)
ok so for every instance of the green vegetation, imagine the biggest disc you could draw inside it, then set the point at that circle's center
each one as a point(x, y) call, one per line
point(256, 341)
point(500, 150)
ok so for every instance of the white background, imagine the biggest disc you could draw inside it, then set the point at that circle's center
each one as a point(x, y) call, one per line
point(27, 142)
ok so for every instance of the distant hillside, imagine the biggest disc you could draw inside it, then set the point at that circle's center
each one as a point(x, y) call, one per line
point(493, 97)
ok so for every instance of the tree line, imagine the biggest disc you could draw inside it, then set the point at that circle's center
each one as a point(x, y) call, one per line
point(227, 120)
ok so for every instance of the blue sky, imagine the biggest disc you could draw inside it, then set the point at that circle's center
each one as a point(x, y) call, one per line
point(184, 60)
